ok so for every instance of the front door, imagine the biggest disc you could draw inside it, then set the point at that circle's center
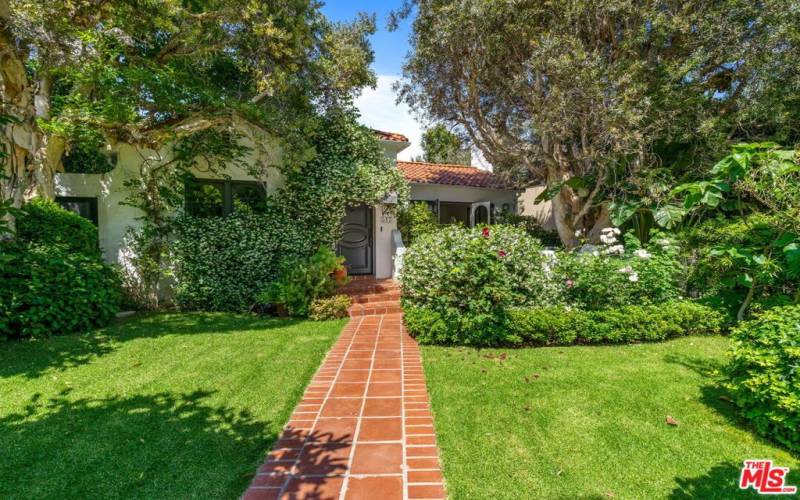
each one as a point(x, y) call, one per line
point(356, 243)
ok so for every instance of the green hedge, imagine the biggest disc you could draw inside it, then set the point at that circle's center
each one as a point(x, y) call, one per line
point(51, 289)
point(44, 222)
point(764, 374)
point(561, 326)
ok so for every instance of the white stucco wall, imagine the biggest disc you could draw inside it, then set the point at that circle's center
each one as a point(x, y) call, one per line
point(114, 219)
point(463, 194)
point(385, 218)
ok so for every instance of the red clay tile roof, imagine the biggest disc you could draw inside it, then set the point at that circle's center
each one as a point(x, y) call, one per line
point(390, 136)
point(451, 175)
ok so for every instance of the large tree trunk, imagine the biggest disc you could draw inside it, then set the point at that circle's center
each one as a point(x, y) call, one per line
point(30, 157)
point(562, 216)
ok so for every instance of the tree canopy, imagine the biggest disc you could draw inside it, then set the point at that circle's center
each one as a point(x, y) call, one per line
point(590, 97)
point(439, 145)
point(76, 75)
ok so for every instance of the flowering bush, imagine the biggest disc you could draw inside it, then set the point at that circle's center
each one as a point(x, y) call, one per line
point(470, 277)
point(612, 276)
point(764, 374)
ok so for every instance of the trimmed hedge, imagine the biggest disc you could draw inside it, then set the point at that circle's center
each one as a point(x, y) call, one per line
point(764, 374)
point(51, 289)
point(561, 326)
point(44, 222)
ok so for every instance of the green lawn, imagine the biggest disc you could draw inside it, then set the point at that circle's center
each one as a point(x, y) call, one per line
point(162, 406)
point(589, 422)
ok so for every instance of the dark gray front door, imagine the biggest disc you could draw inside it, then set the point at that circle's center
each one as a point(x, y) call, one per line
point(356, 243)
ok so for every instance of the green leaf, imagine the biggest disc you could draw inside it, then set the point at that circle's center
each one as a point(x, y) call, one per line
point(745, 280)
point(621, 211)
point(669, 216)
point(549, 193)
point(712, 198)
point(792, 254)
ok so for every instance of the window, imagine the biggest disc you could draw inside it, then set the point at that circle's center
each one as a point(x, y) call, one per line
point(214, 198)
point(85, 207)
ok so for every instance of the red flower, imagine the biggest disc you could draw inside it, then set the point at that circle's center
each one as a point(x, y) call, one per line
point(485, 232)
point(570, 283)
point(501, 253)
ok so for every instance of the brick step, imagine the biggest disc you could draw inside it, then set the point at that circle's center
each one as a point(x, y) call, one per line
point(369, 287)
point(390, 296)
point(374, 308)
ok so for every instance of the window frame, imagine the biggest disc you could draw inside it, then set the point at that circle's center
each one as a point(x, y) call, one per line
point(227, 192)
point(92, 200)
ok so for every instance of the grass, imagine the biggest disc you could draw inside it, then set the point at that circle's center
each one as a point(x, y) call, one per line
point(160, 406)
point(590, 422)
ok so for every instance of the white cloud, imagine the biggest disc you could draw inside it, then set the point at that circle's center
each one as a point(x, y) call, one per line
point(379, 110)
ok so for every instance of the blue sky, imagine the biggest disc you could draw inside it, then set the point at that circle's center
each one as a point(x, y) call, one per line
point(390, 48)
point(377, 106)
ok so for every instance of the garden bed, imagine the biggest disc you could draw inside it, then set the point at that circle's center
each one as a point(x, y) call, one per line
point(590, 422)
point(160, 406)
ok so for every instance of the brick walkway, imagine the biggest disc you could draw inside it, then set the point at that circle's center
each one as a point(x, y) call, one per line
point(363, 429)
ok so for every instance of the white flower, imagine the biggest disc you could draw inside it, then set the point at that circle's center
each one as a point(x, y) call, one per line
point(549, 253)
point(625, 270)
point(633, 278)
point(578, 233)
point(615, 250)
point(642, 253)
point(608, 239)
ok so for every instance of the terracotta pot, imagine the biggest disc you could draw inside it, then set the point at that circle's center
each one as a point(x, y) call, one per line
point(340, 275)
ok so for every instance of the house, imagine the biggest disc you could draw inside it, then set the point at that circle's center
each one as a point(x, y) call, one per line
point(370, 239)
point(455, 193)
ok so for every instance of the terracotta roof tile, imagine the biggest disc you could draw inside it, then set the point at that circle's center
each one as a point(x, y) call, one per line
point(451, 175)
point(390, 136)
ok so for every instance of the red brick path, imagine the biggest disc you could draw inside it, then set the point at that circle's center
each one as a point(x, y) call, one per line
point(363, 429)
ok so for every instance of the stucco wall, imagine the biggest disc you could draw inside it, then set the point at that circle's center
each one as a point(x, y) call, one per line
point(543, 212)
point(463, 194)
point(385, 222)
point(114, 219)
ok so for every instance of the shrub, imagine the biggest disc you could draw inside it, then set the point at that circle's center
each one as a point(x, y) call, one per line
point(597, 280)
point(557, 325)
point(44, 222)
point(415, 221)
point(302, 281)
point(561, 326)
point(50, 289)
point(764, 376)
point(532, 226)
point(470, 277)
point(329, 308)
point(222, 263)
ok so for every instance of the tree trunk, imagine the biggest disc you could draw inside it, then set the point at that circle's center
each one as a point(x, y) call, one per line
point(562, 216)
point(31, 159)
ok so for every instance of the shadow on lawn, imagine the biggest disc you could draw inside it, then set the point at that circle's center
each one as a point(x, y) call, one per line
point(721, 481)
point(32, 357)
point(163, 445)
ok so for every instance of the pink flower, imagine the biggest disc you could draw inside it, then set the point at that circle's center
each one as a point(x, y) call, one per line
point(570, 283)
point(501, 253)
point(485, 232)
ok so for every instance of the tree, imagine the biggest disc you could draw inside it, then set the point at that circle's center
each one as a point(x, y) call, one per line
point(155, 73)
point(582, 95)
point(762, 179)
point(439, 145)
